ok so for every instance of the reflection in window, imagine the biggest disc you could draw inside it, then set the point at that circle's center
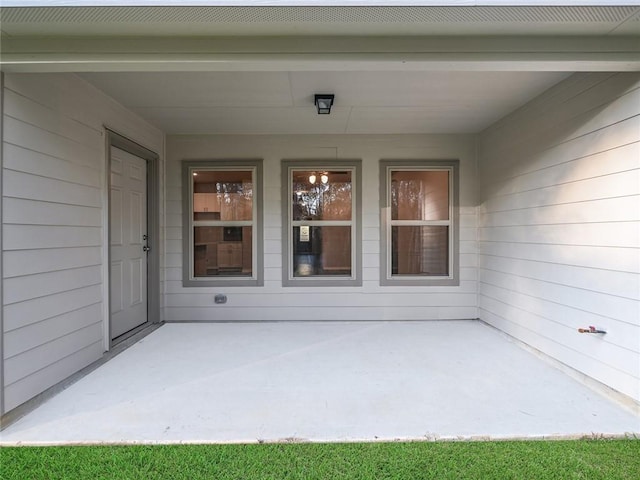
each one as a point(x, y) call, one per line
point(222, 222)
point(418, 199)
point(328, 197)
point(420, 195)
point(321, 250)
point(420, 250)
point(321, 223)
point(418, 220)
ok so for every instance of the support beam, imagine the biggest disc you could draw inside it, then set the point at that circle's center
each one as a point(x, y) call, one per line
point(92, 54)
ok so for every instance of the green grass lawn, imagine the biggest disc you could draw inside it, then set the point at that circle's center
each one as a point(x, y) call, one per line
point(537, 460)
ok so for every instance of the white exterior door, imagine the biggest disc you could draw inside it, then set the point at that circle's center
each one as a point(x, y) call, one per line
point(128, 242)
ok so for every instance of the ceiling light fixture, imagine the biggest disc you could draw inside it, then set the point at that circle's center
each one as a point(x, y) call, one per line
point(324, 102)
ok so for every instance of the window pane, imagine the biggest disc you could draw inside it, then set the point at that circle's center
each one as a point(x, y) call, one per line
point(222, 195)
point(420, 195)
point(321, 195)
point(420, 250)
point(222, 251)
point(321, 251)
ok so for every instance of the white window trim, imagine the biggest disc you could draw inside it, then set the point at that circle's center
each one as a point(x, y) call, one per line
point(257, 244)
point(288, 279)
point(386, 276)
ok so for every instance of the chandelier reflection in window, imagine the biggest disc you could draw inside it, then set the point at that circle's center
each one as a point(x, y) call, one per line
point(321, 195)
point(310, 189)
point(324, 178)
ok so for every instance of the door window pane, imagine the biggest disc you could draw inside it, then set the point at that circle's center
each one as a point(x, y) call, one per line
point(419, 195)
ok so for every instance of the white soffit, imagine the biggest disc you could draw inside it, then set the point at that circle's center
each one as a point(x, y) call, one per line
point(466, 18)
point(307, 3)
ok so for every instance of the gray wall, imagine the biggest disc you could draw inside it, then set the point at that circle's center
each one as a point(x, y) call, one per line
point(54, 202)
point(275, 302)
point(557, 228)
point(559, 225)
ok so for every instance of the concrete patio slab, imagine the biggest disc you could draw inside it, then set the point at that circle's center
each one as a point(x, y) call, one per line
point(337, 381)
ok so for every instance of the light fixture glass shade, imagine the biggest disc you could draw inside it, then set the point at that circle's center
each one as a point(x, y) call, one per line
point(324, 178)
point(323, 103)
point(312, 178)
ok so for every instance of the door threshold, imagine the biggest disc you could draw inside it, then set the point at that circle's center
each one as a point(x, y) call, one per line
point(132, 333)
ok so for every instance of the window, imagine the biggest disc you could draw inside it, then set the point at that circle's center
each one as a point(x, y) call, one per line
point(321, 229)
point(419, 239)
point(222, 239)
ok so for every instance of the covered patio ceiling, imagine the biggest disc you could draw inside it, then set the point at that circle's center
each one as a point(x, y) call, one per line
point(366, 102)
point(213, 68)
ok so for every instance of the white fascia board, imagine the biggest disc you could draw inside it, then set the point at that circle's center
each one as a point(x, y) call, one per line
point(22, 55)
point(319, 3)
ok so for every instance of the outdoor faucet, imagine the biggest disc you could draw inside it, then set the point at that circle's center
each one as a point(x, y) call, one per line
point(591, 329)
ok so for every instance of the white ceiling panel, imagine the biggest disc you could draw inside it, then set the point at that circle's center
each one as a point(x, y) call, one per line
point(408, 120)
point(196, 89)
point(256, 121)
point(485, 90)
point(282, 103)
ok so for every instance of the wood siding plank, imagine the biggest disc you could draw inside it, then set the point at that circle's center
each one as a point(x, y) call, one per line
point(48, 119)
point(28, 262)
point(26, 237)
point(53, 214)
point(23, 160)
point(559, 226)
point(34, 335)
point(30, 361)
point(30, 386)
point(34, 212)
point(18, 315)
point(19, 289)
point(608, 258)
point(609, 306)
point(251, 314)
point(17, 132)
point(34, 187)
point(620, 334)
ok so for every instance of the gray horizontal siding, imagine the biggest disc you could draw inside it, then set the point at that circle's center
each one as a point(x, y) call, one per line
point(53, 226)
point(28, 262)
point(273, 302)
point(559, 226)
point(20, 289)
point(23, 339)
point(297, 314)
point(50, 374)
